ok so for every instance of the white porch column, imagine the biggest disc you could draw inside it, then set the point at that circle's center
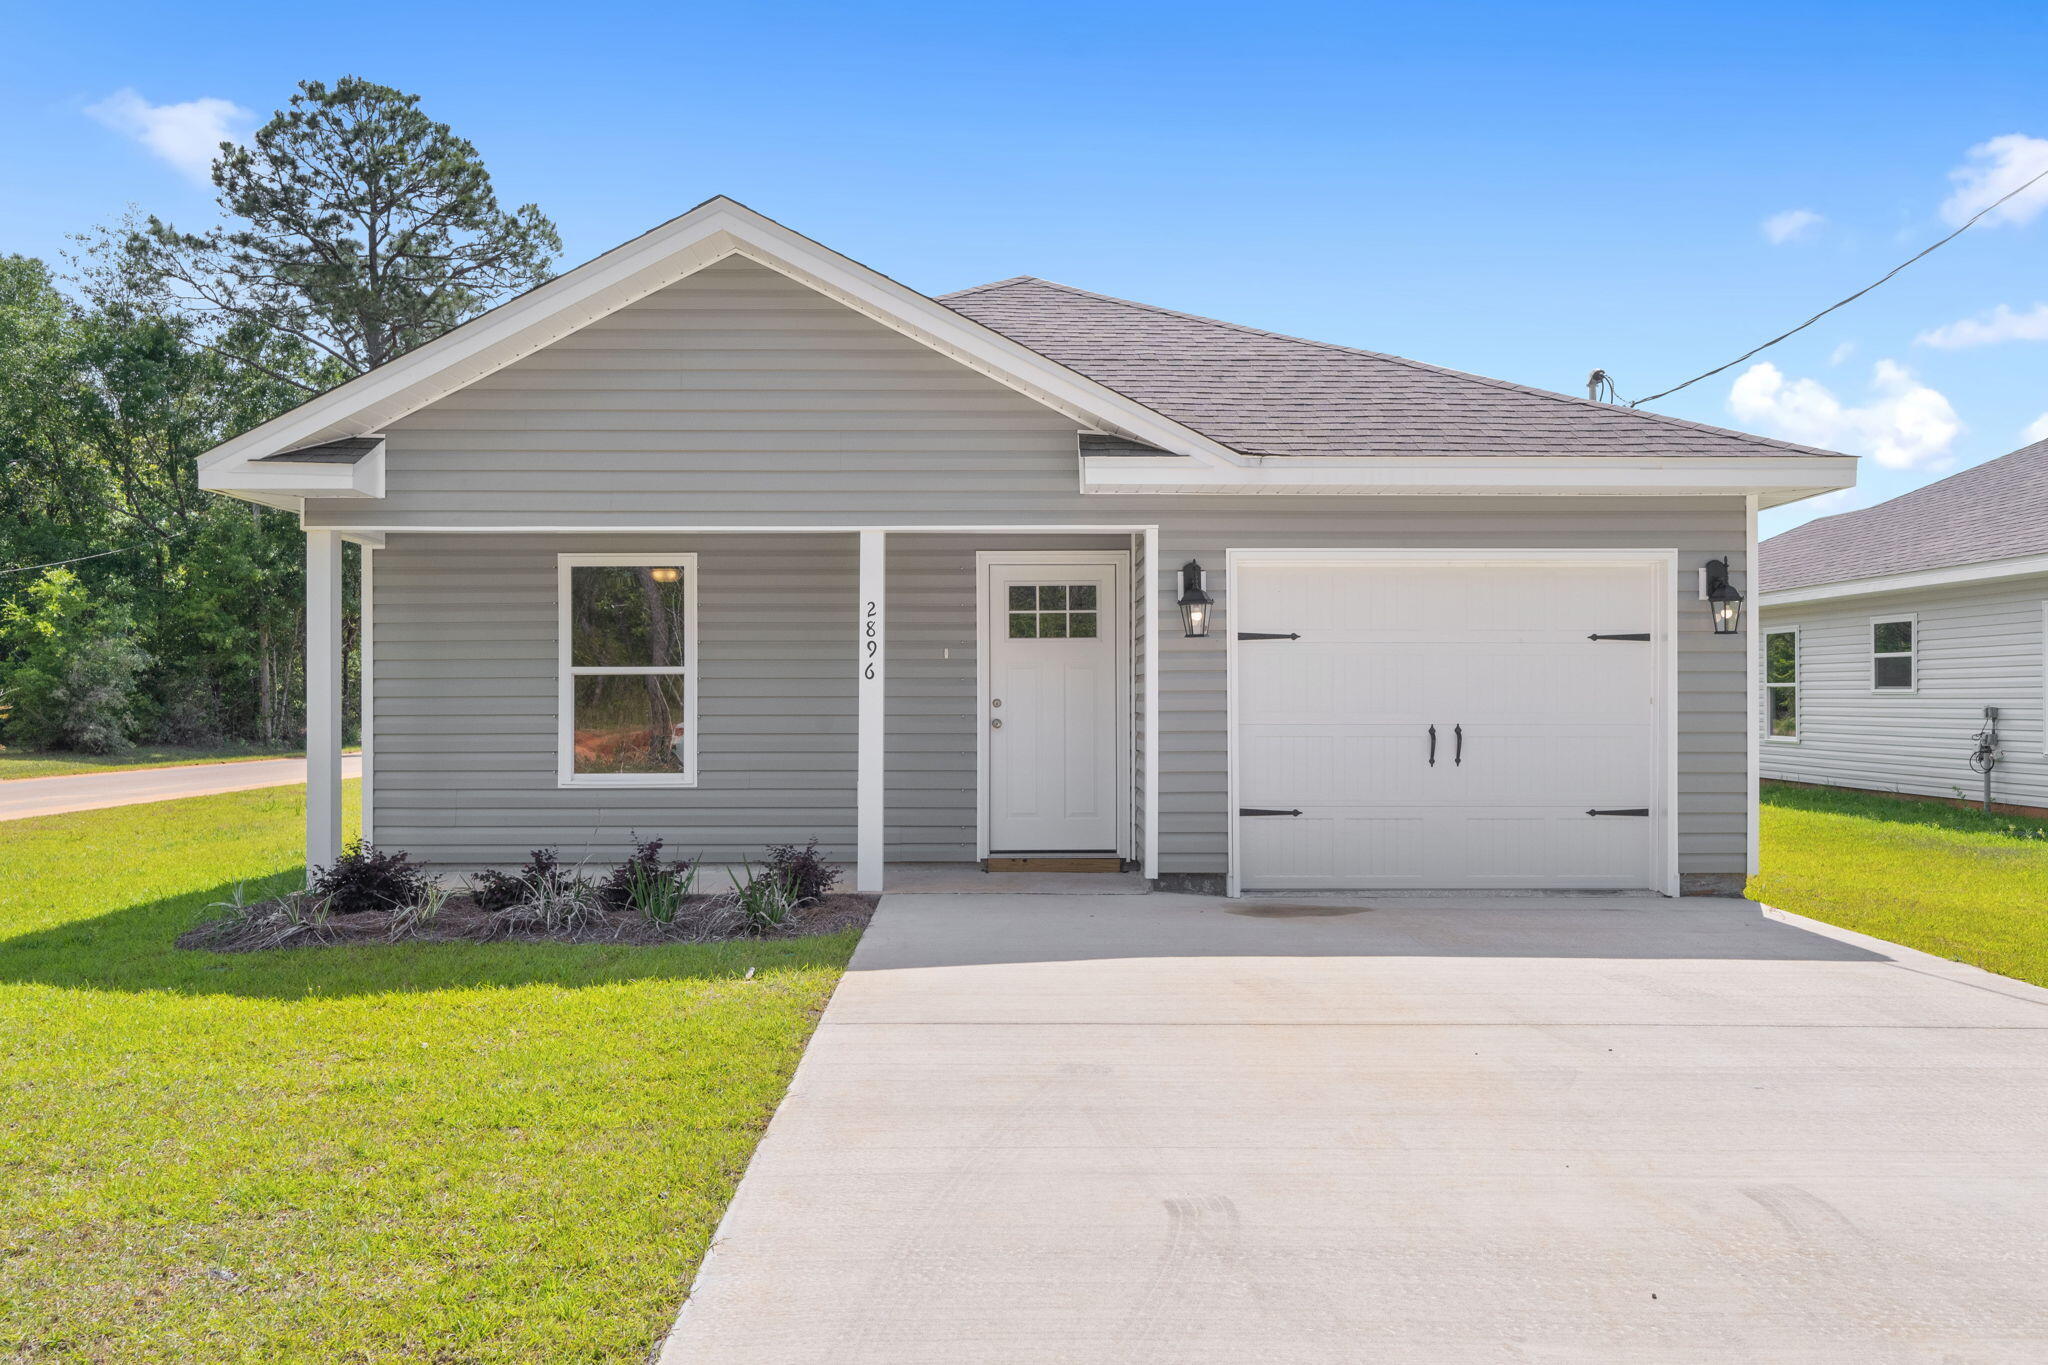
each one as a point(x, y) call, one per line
point(872, 662)
point(323, 698)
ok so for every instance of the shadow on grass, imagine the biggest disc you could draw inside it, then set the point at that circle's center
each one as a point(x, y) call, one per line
point(1902, 810)
point(133, 950)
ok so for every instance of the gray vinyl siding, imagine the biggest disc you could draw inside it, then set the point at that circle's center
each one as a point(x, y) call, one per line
point(932, 711)
point(466, 703)
point(741, 399)
point(1977, 645)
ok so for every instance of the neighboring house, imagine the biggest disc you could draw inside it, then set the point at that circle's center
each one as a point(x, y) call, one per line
point(1890, 629)
point(726, 538)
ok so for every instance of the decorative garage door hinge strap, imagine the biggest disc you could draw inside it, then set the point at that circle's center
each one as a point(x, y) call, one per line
point(1640, 635)
point(1264, 810)
point(1626, 810)
point(1264, 635)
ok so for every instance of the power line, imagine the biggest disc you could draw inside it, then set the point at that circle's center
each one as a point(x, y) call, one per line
point(1851, 299)
point(60, 563)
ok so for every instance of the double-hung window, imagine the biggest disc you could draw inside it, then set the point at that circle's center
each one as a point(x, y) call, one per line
point(1894, 641)
point(628, 666)
point(1781, 682)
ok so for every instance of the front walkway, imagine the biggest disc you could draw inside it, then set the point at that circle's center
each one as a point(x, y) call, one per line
point(29, 796)
point(1175, 1130)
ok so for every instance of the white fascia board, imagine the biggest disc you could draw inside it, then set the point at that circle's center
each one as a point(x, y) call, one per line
point(362, 478)
point(1772, 479)
point(628, 273)
point(1904, 582)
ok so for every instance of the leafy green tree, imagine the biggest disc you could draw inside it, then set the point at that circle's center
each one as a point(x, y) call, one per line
point(74, 667)
point(367, 229)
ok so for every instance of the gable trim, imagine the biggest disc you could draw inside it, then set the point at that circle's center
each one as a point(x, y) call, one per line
point(2023, 567)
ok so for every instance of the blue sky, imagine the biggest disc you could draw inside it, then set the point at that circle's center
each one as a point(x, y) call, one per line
point(1519, 190)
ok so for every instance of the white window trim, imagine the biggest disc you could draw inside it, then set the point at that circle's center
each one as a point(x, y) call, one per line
point(567, 673)
point(1911, 656)
point(1798, 692)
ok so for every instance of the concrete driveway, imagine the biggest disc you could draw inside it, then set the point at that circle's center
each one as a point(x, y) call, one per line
point(1176, 1130)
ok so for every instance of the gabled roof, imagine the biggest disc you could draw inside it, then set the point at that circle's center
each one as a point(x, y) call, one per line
point(1991, 512)
point(1262, 393)
point(712, 231)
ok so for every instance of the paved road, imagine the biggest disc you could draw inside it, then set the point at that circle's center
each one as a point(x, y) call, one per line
point(28, 796)
point(1160, 1130)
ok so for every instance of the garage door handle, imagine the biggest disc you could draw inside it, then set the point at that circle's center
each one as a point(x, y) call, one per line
point(1643, 635)
point(1264, 810)
point(1458, 759)
point(1432, 746)
point(1266, 635)
point(1626, 810)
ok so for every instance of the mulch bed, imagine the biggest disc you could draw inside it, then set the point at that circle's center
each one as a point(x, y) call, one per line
point(462, 921)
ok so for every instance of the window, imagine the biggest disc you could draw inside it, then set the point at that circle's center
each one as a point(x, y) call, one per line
point(1053, 611)
point(1892, 641)
point(1781, 682)
point(628, 652)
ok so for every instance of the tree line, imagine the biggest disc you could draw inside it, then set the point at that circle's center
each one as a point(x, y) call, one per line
point(133, 606)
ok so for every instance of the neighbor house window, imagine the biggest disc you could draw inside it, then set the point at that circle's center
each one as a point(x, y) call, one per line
point(1892, 642)
point(628, 642)
point(1781, 682)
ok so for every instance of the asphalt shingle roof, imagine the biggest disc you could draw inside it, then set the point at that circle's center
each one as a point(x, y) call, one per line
point(1995, 510)
point(1262, 393)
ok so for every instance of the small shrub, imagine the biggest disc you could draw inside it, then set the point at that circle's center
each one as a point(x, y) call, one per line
point(658, 892)
point(418, 916)
point(764, 902)
point(273, 923)
point(493, 890)
point(555, 905)
point(804, 871)
point(365, 879)
point(643, 866)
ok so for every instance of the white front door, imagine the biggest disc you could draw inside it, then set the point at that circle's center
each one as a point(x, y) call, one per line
point(1448, 725)
point(1055, 753)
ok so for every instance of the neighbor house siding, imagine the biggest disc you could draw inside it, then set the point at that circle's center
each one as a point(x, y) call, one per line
point(1977, 645)
point(741, 399)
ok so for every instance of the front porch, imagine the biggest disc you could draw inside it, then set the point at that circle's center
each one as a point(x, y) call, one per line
point(843, 683)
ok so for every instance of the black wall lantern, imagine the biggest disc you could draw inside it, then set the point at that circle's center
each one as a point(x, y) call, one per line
point(1721, 597)
point(1194, 601)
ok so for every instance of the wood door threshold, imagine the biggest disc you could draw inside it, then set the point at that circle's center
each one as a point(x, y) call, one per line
point(1052, 863)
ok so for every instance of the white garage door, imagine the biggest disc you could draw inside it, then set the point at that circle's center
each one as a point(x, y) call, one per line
point(1447, 724)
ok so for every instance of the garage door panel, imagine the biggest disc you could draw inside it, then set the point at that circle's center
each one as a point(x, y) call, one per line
point(1319, 849)
point(1335, 724)
point(1309, 765)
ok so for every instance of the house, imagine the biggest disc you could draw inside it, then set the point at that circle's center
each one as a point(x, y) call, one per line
point(727, 538)
point(1890, 630)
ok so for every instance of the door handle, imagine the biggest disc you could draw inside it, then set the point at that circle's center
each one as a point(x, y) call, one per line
point(1432, 746)
point(995, 725)
point(1458, 733)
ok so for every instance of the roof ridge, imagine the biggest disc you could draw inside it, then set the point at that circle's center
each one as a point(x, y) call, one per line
point(984, 288)
point(1488, 380)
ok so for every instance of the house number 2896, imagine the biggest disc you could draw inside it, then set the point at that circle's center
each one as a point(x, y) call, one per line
point(871, 643)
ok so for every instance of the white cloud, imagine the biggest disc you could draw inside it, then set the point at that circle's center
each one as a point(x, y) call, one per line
point(187, 135)
point(1791, 226)
point(1997, 168)
point(1904, 424)
point(1988, 329)
point(1841, 353)
point(2037, 430)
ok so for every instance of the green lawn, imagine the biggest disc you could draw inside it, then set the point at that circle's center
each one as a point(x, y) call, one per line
point(61, 763)
point(428, 1153)
point(1957, 883)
